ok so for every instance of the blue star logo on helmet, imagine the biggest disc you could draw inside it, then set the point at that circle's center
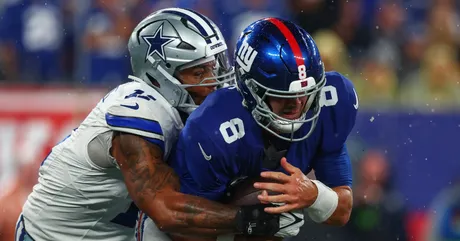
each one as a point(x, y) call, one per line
point(157, 42)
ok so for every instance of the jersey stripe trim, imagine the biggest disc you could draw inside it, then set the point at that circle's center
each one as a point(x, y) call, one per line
point(140, 227)
point(157, 142)
point(136, 123)
point(291, 40)
point(138, 132)
point(20, 232)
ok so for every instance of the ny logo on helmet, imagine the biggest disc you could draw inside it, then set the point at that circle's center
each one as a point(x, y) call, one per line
point(246, 55)
point(156, 43)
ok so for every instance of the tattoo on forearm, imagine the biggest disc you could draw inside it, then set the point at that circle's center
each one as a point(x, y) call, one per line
point(203, 213)
point(149, 177)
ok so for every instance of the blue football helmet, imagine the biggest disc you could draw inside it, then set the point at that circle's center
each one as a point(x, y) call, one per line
point(277, 58)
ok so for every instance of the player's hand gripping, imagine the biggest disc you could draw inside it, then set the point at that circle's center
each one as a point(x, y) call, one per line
point(293, 191)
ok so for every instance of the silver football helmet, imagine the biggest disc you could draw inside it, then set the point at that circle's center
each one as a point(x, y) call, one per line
point(174, 39)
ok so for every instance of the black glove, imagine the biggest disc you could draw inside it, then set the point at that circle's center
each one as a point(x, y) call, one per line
point(254, 221)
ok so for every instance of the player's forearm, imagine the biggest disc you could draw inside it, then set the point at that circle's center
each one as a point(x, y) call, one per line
point(174, 212)
point(342, 213)
point(154, 187)
point(186, 214)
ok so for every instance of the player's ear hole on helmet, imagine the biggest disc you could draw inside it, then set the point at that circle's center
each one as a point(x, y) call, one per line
point(153, 80)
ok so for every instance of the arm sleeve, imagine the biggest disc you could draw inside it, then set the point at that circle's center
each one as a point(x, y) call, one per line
point(334, 168)
point(338, 120)
point(332, 165)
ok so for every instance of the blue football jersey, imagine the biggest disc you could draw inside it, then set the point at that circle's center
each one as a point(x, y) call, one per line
point(221, 141)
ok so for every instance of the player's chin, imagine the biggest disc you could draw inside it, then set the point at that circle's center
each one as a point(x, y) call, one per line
point(293, 116)
point(199, 95)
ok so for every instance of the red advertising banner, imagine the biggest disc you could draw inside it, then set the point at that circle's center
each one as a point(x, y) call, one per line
point(33, 120)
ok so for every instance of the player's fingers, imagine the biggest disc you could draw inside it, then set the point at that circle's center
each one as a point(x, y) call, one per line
point(281, 198)
point(278, 176)
point(287, 166)
point(269, 186)
point(280, 209)
point(264, 194)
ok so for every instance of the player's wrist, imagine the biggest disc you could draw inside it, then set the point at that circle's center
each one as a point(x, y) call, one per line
point(325, 204)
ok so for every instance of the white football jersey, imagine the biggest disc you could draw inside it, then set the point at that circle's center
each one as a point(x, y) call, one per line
point(80, 193)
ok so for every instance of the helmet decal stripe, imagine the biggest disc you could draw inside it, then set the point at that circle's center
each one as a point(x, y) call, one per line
point(204, 28)
point(207, 21)
point(290, 39)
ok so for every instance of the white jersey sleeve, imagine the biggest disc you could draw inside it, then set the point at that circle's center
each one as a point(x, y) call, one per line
point(142, 111)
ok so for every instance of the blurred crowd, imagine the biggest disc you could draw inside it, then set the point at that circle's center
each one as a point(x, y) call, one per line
point(402, 53)
point(399, 54)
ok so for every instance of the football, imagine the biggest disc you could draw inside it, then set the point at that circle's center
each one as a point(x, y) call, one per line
point(242, 192)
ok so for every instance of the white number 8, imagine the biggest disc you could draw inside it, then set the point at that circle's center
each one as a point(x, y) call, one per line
point(236, 130)
point(324, 100)
point(302, 71)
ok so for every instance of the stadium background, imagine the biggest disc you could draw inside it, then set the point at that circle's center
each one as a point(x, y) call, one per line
point(59, 57)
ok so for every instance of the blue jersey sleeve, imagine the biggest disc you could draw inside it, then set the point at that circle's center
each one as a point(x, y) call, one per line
point(200, 164)
point(334, 168)
point(332, 163)
point(338, 118)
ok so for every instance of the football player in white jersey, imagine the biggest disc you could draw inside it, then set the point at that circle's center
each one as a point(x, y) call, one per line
point(91, 184)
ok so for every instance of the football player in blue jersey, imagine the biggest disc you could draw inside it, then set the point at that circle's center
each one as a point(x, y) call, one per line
point(285, 117)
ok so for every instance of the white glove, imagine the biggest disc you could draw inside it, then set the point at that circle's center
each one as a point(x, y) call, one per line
point(290, 224)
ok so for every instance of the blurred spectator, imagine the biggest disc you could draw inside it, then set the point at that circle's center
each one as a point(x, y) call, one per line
point(333, 52)
point(31, 39)
point(443, 22)
point(107, 27)
point(377, 85)
point(388, 34)
point(142, 8)
point(350, 27)
point(436, 84)
point(378, 212)
point(413, 49)
point(314, 15)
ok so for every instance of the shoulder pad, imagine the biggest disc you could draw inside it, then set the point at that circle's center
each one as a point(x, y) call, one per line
point(138, 109)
